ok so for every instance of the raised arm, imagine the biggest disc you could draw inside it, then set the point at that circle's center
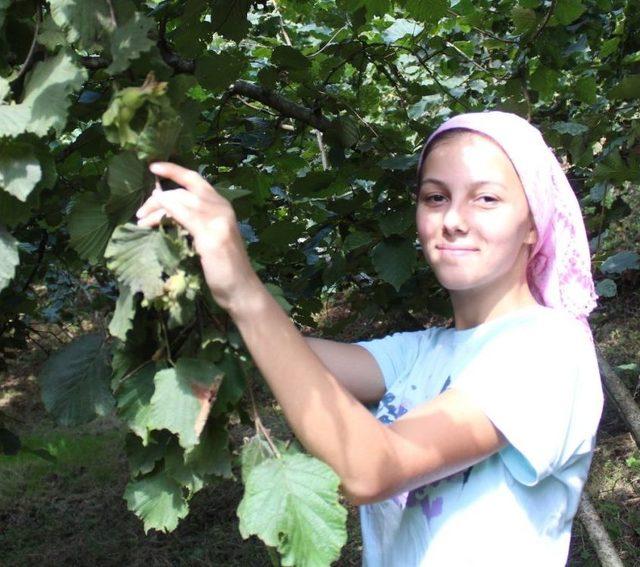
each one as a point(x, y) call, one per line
point(373, 460)
point(353, 366)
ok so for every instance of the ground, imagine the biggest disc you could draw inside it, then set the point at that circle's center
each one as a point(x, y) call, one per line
point(72, 512)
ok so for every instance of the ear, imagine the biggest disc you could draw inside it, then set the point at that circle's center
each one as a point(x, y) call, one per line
point(532, 235)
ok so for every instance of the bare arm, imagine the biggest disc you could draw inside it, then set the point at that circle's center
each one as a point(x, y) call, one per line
point(353, 366)
point(373, 460)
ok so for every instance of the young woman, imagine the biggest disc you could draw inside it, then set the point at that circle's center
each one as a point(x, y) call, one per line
point(484, 432)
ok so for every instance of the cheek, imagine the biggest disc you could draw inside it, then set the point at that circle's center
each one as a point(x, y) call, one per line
point(425, 225)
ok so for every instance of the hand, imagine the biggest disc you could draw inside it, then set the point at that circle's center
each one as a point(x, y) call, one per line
point(211, 220)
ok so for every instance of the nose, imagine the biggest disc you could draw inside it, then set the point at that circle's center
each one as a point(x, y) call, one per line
point(454, 220)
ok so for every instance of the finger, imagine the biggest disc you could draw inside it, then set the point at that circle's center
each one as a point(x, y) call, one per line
point(189, 179)
point(151, 219)
point(181, 206)
point(150, 205)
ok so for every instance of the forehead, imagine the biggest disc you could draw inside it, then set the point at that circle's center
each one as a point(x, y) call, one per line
point(468, 154)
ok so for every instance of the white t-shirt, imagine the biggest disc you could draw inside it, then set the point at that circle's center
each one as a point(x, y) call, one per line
point(535, 375)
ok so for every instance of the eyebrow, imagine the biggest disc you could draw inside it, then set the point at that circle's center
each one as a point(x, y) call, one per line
point(474, 185)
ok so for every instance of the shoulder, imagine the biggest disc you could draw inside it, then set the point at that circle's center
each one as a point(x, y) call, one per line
point(545, 328)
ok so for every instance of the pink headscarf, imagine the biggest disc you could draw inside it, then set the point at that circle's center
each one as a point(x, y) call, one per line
point(559, 271)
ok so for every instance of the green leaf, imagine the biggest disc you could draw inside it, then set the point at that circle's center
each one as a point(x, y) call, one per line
point(621, 262)
point(182, 398)
point(46, 100)
point(129, 41)
point(139, 256)
point(609, 46)
point(122, 320)
point(567, 11)
point(613, 168)
point(216, 71)
point(585, 89)
point(128, 181)
point(292, 504)
point(211, 456)
point(9, 258)
point(545, 80)
point(524, 19)
point(133, 397)
point(428, 12)
point(312, 183)
point(158, 501)
point(143, 457)
point(394, 260)
point(606, 288)
point(278, 295)
point(176, 467)
point(89, 227)
point(400, 163)
point(75, 381)
point(289, 58)
point(229, 18)
point(50, 35)
point(356, 239)
point(232, 387)
point(20, 170)
point(397, 221)
point(572, 128)
point(627, 89)
point(254, 452)
point(344, 130)
point(400, 28)
point(84, 22)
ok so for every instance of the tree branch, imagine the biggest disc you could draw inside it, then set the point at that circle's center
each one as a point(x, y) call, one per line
point(240, 87)
point(281, 104)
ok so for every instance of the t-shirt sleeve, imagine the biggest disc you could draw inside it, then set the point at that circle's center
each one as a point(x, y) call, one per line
point(540, 386)
point(397, 353)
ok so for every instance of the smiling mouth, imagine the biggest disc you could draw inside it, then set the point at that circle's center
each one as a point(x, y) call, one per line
point(455, 249)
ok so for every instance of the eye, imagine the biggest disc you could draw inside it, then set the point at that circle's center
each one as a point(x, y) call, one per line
point(433, 198)
point(488, 199)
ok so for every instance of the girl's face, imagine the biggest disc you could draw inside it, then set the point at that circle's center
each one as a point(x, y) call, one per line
point(472, 215)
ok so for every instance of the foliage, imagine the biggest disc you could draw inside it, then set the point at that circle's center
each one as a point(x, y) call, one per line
point(308, 116)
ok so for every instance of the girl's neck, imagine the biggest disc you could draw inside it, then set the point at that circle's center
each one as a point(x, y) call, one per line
point(474, 307)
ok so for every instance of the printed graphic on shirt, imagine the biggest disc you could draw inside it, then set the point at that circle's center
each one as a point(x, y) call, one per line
point(430, 497)
point(388, 411)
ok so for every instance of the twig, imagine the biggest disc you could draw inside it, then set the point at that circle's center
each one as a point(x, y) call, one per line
point(484, 32)
point(45, 350)
point(470, 59)
point(257, 109)
point(440, 85)
point(112, 13)
point(40, 332)
point(44, 239)
point(598, 535)
point(260, 428)
point(621, 397)
point(544, 22)
point(166, 341)
point(323, 153)
point(287, 39)
point(602, 215)
point(27, 62)
point(328, 42)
